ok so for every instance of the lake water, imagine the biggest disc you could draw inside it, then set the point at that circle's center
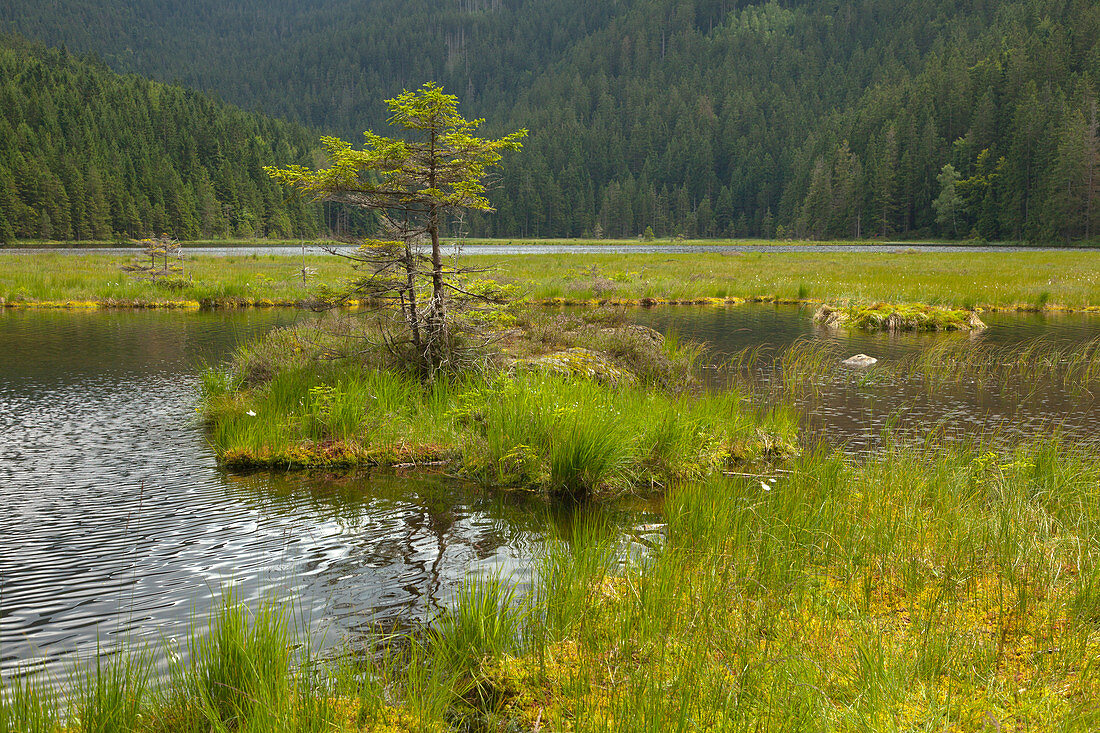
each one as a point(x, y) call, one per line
point(853, 408)
point(117, 524)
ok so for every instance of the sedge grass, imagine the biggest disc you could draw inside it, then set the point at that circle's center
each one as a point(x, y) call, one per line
point(27, 706)
point(1023, 371)
point(924, 587)
point(111, 694)
point(564, 435)
point(916, 589)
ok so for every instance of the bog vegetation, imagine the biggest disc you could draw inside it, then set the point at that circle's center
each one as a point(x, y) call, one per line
point(928, 586)
point(959, 280)
point(562, 404)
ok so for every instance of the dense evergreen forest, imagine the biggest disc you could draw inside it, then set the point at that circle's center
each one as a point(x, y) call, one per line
point(88, 154)
point(814, 118)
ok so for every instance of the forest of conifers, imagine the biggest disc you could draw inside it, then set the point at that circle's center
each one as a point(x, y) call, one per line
point(86, 154)
point(804, 118)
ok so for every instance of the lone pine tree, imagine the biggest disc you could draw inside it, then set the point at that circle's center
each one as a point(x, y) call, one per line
point(411, 185)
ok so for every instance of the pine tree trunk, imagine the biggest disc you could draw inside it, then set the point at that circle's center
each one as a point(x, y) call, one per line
point(412, 316)
point(437, 316)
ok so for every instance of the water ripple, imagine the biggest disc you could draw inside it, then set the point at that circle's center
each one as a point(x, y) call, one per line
point(118, 525)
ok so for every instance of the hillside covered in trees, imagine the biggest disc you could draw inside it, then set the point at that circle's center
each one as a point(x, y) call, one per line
point(816, 118)
point(88, 154)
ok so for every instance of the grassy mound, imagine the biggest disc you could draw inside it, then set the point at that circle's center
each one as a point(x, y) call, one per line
point(522, 422)
point(905, 317)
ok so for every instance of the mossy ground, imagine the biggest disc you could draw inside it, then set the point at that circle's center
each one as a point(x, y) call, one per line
point(898, 317)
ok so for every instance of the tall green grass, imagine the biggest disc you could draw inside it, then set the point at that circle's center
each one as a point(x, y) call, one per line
point(26, 706)
point(917, 589)
point(111, 694)
point(561, 435)
point(920, 588)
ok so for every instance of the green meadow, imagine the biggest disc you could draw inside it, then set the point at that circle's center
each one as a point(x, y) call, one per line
point(959, 279)
point(1028, 280)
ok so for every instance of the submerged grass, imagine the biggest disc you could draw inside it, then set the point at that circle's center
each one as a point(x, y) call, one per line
point(1022, 371)
point(923, 588)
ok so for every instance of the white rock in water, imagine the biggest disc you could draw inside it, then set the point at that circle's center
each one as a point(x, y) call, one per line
point(859, 360)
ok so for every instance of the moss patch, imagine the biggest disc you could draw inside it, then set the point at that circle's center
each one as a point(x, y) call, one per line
point(578, 362)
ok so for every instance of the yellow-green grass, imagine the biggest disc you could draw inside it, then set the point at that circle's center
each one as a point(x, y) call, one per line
point(1033, 280)
point(947, 588)
point(1029, 280)
point(98, 280)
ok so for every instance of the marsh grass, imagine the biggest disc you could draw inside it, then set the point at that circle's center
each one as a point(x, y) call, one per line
point(280, 405)
point(922, 587)
point(111, 695)
point(1023, 371)
point(951, 279)
point(1027, 280)
point(98, 279)
point(27, 706)
point(550, 433)
point(914, 589)
point(247, 668)
point(1021, 368)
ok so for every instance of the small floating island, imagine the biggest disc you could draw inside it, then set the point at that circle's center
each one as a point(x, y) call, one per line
point(905, 317)
point(574, 404)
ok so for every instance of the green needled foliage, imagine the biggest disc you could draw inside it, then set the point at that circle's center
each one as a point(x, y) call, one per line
point(411, 186)
point(444, 167)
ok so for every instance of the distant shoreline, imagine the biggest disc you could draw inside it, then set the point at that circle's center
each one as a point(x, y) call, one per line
point(93, 245)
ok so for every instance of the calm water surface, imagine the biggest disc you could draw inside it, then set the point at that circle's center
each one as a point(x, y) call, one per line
point(853, 408)
point(115, 522)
